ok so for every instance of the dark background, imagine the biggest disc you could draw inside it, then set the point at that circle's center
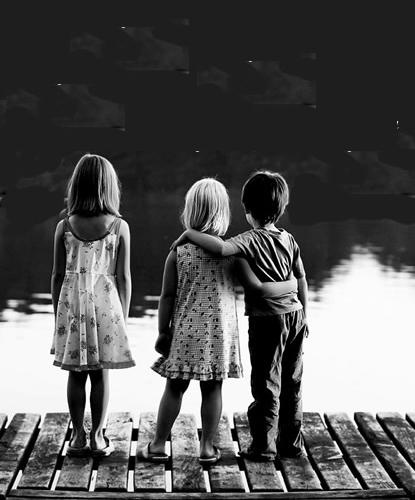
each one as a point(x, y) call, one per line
point(327, 99)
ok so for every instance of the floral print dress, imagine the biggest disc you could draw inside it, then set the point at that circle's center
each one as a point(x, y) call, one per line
point(90, 331)
point(205, 344)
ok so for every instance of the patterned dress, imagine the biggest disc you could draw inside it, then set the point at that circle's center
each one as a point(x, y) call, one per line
point(90, 331)
point(205, 344)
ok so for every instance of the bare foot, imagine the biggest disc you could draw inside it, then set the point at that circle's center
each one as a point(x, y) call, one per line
point(98, 441)
point(207, 450)
point(156, 448)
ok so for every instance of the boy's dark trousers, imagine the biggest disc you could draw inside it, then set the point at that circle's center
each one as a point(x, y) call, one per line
point(275, 416)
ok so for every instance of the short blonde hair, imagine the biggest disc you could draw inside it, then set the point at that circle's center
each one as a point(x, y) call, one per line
point(94, 187)
point(206, 207)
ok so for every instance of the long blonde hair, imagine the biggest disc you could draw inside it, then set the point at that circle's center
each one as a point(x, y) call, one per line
point(206, 207)
point(94, 187)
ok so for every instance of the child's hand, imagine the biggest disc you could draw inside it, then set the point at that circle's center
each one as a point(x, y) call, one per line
point(307, 331)
point(163, 343)
point(181, 240)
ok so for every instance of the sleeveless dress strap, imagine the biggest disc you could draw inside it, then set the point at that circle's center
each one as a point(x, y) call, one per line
point(115, 226)
point(66, 226)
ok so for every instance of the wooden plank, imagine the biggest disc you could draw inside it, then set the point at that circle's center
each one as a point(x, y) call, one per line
point(410, 417)
point(261, 476)
point(389, 456)
point(333, 471)
point(397, 494)
point(225, 475)
point(299, 475)
point(148, 476)
point(112, 472)
point(14, 446)
point(401, 433)
point(359, 456)
point(187, 473)
point(76, 471)
point(3, 421)
point(42, 462)
point(75, 474)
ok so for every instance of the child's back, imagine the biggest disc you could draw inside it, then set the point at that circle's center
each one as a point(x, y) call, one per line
point(91, 290)
point(90, 330)
point(205, 343)
point(273, 255)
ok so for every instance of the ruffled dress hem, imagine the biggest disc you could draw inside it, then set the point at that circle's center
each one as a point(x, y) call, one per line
point(188, 372)
point(100, 366)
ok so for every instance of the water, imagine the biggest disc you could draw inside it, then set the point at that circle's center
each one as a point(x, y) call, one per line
point(361, 276)
point(358, 357)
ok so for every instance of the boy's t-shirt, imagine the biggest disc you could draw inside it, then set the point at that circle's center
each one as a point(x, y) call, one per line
point(272, 255)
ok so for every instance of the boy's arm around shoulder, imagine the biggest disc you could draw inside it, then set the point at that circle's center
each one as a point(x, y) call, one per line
point(166, 304)
point(59, 263)
point(122, 269)
point(249, 280)
point(208, 242)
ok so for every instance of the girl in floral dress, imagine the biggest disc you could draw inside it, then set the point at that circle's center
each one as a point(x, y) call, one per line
point(91, 291)
point(198, 330)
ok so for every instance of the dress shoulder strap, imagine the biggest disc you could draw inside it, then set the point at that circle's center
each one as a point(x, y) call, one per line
point(66, 226)
point(115, 226)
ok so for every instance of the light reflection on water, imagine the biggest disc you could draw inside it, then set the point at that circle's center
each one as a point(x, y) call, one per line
point(358, 357)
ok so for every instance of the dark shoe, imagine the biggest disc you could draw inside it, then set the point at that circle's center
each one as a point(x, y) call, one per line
point(211, 460)
point(257, 456)
point(292, 454)
point(78, 451)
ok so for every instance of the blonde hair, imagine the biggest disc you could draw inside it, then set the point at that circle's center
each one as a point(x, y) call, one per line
point(206, 207)
point(94, 187)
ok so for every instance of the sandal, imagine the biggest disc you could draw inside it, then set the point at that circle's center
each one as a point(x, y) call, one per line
point(103, 452)
point(144, 453)
point(211, 460)
point(77, 451)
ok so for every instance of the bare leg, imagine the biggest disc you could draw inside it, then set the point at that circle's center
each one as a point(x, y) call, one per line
point(169, 408)
point(211, 411)
point(99, 402)
point(76, 402)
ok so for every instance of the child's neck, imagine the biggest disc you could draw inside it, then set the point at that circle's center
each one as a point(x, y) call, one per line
point(257, 225)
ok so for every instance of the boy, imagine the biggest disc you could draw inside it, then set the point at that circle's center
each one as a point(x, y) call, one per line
point(277, 325)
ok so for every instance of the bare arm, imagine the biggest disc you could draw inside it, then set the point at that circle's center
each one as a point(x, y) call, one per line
point(166, 305)
point(168, 294)
point(122, 268)
point(251, 283)
point(59, 264)
point(210, 243)
point(303, 293)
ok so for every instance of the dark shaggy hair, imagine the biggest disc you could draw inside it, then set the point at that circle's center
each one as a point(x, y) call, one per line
point(265, 195)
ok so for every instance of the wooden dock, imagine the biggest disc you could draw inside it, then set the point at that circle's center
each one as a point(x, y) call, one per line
point(370, 457)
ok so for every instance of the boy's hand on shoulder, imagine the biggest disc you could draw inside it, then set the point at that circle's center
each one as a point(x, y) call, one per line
point(163, 343)
point(181, 240)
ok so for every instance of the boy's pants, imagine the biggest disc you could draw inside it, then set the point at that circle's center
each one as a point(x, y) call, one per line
point(275, 416)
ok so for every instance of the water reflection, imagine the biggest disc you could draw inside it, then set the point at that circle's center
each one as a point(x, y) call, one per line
point(359, 354)
point(361, 276)
point(323, 246)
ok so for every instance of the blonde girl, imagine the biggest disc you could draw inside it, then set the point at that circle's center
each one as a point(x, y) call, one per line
point(91, 291)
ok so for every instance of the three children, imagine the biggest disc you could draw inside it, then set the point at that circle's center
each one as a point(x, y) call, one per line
point(198, 331)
